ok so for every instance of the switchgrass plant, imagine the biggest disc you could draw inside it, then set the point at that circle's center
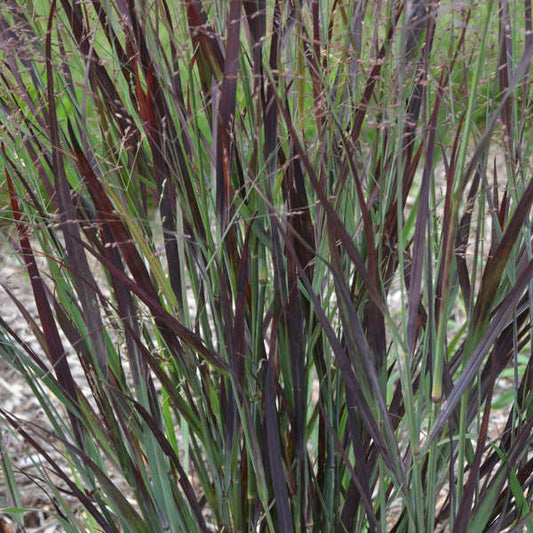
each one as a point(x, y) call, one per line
point(217, 204)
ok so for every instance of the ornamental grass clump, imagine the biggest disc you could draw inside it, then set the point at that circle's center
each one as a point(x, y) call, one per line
point(217, 205)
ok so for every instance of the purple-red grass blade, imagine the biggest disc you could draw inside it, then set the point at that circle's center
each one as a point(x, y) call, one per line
point(374, 317)
point(54, 346)
point(208, 54)
point(270, 104)
point(76, 256)
point(333, 218)
point(496, 325)
point(496, 264)
point(352, 383)
point(226, 114)
point(165, 320)
point(256, 18)
point(275, 456)
point(420, 235)
point(66, 478)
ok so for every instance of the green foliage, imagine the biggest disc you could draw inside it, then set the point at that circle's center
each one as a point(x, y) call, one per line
point(229, 199)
